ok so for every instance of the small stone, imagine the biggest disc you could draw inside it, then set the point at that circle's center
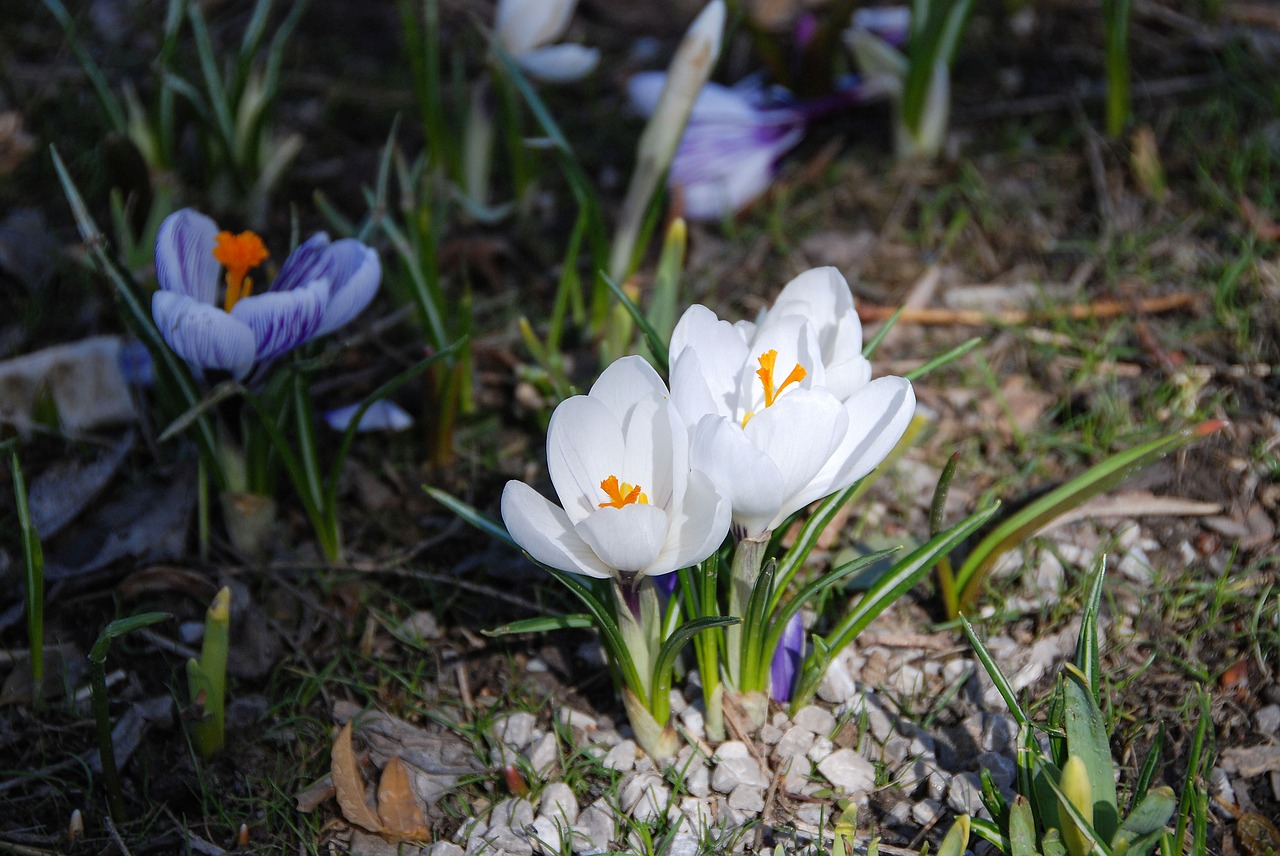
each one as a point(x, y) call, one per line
point(677, 702)
point(896, 749)
point(899, 814)
point(908, 680)
point(1002, 768)
point(815, 719)
point(813, 813)
point(571, 718)
point(910, 776)
point(543, 754)
point(925, 811)
point(559, 803)
point(747, 799)
point(644, 796)
point(549, 836)
point(693, 721)
point(880, 722)
point(936, 783)
point(515, 730)
point(1220, 788)
point(954, 670)
point(536, 666)
point(848, 771)
point(697, 779)
point(644, 764)
point(596, 826)
point(799, 771)
point(697, 814)
point(923, 744)
point(964, 796)
point(621, 757)
point(821, 748)
point(191, 632)
point(731, 749)
point(511, 813)
point(795, 741)
point(684, 845)
point(770, 734)
point(1267, 719)
point(509, 842)
point(998, 733)
point(730, 773)
point(592, 653)
point(837, 684)
point(442, 848)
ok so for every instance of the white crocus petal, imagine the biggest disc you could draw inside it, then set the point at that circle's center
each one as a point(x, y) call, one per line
point(354, 274)
point(879, 414)
point(822, 296)
point(381, 416)
point(721, 353)
point(800, 433)
point(627, 538)
point(625, 382)
point(690, 392)
point(696, 529)
point(184, 256)
point(584, 446)
point(204, 336)
point(564, 63)
point(745, 475)
point(282, 320)
point(656, 455)
point(543, 531)
point(522, 25)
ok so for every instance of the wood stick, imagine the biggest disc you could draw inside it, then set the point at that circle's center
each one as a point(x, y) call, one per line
point(941, 317)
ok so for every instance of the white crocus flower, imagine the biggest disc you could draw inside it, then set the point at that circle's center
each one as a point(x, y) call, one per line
point(619, 461)
point(528, 28)
point(767, 428)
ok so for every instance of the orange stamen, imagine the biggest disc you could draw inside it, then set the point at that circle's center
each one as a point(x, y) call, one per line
point(621, 493)
point(765, 373)
point(238, 254)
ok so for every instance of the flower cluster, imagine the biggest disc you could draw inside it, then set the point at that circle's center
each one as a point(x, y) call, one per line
point(761, 420)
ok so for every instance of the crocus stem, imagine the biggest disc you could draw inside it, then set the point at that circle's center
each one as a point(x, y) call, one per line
point(639, 619)
point(110, 775)
point(747, 559)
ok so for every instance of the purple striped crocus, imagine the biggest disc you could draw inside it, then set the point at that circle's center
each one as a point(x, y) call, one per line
point(208, 313)
point(735, 138)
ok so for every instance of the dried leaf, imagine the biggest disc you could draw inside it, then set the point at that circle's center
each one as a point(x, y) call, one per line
point(349, 784)
point(66, 488)
point(397, 806)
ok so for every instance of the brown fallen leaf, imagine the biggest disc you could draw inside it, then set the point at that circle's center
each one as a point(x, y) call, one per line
point(397, 806)
point(349, 784)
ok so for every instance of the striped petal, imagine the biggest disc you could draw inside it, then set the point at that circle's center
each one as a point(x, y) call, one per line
point(204, 336)
point(309, 261)
point(282, 320)
point(184, 256)
point(354, 274)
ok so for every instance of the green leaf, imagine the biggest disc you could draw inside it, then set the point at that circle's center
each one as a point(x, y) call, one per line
point(1051, 844)
point(956, 840)
point(666, 659)
point(1148, 772)
point(469, 514)
point(543, 624)
point(122, 627)
point(794, 558)
point(995, 673)
point(1087, 641)
point(1026, 522)
point(1087, 739)
point(988, 831)
point(657, 346)
point(1022, 828)
point(1151, 816)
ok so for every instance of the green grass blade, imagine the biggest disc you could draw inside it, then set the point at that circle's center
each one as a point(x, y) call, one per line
point(995, 673)
point(1026, 522)
point(33, 568)
point(939, 361)
point(869, 349)
point(543, 624)
point(805, 541)
point(657, 347)
point(1087, 653)
point(988, 831)
point(1196, 758)
point(110, 104)
point(1149, 767)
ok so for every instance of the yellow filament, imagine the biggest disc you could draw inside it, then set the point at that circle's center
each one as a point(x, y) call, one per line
point(238, 254)
point(622, 493)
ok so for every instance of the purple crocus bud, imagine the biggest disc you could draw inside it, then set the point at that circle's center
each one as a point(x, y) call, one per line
point(786, 661)
point(321, 287)
point(381, 416)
